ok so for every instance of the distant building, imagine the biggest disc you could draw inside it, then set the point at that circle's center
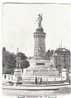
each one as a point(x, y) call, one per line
point(62, 59)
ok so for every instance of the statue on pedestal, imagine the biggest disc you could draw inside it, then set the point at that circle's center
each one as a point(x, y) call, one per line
point(18, 60)
point(18, 70)
point(39, 20)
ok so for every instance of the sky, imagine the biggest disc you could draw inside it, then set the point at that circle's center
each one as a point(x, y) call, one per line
point(19, 22)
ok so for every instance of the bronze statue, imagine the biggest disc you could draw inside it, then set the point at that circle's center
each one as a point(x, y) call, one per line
point(39, 20)
point(18, 59)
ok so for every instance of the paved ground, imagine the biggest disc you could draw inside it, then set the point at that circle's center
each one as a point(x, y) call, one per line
point(20, 92)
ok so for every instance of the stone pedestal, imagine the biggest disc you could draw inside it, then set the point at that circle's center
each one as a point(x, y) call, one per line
point(40, 72)
point(18, 76)
point(39, 44)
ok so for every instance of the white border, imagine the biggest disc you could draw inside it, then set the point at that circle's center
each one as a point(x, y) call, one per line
point(23, 1)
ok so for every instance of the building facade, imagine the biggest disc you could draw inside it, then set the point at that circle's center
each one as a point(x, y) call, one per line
point(62, 60)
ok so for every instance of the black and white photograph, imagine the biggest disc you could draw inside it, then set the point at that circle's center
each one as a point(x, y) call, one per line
point(36, 50)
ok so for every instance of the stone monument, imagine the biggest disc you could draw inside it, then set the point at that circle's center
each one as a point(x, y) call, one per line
point(18, 71)
point(39, 40)
point(40, 69)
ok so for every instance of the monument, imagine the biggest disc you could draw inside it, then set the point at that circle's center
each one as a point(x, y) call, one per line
point(18, 71)
point(41, 71)
point(39, 41)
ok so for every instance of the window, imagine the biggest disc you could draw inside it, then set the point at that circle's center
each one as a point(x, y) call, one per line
point(40, 64)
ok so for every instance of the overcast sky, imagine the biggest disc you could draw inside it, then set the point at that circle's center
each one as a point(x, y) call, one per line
point(19, 24)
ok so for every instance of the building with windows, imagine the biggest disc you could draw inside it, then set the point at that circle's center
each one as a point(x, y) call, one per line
point(62, 60)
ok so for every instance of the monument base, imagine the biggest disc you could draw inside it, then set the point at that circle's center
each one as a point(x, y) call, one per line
point(17, 79)
point(40, 72)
